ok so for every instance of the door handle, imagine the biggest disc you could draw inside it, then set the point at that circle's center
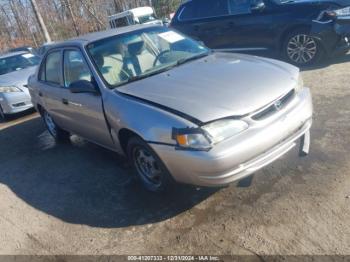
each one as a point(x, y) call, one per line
point(65, 101)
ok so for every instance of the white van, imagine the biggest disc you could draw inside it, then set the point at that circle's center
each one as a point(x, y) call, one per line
point(140, 15)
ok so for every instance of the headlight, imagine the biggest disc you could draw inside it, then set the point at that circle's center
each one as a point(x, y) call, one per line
point(205, 137)
point(300, 84)
point(192, 138)
point(343, 12)
point(339, 12)
point(223, 129)
point(9, 89)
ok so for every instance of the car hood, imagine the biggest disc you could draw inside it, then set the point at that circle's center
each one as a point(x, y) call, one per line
point(17, 78)
point(218, 86)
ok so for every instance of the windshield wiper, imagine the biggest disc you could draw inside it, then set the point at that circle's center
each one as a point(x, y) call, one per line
point(191, 58)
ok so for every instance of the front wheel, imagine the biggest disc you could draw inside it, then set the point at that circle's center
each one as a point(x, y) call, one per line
point(56, 132)
point(301, 49)
point(148, 167)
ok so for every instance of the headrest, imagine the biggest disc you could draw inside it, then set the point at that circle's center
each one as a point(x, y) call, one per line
point(135, 48)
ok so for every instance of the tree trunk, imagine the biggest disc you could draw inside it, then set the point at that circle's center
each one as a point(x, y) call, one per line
point(70, 10)
point(18, 21)
point(40, 21)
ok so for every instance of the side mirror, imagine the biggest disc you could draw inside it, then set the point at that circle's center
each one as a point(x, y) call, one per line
point(83, 86)
point(257, 6)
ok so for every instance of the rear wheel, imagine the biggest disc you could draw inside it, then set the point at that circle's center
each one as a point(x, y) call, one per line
point(58, 134)
point(301, 49)
point(148, 167)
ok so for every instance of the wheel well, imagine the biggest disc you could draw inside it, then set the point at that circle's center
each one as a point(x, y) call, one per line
point(291, 29)
point(124, 135)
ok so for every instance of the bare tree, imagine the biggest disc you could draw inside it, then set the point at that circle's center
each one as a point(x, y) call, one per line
point(68, 5)
point(40, 21)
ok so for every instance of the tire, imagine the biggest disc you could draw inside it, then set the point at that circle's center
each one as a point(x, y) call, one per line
point(301, 49)
point(2, 114)
point(148, 167)
point(55, 131)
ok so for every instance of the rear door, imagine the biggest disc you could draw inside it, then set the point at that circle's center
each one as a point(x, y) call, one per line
point(50, 86)
point(206, 20)
point(252, 29)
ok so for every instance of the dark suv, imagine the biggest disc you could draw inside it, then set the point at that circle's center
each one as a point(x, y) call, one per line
point(303, 31)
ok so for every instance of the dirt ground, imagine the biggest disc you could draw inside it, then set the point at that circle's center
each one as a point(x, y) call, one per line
point(80, 199)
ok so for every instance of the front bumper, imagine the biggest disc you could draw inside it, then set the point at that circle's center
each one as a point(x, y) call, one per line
point(12, 103)
point(333, 35)
point(244, 154)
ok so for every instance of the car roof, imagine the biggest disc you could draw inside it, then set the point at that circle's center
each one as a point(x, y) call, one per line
point(13, 54)
point(92, 37)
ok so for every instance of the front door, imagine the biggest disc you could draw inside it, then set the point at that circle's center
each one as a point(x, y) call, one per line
point(83, 111)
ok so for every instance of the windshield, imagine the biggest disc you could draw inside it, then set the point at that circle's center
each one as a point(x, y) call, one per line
point(146, 18)
point(130, 57)
point(17, 62)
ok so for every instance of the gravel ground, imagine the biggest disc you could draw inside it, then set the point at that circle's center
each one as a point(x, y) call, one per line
point(63, 199)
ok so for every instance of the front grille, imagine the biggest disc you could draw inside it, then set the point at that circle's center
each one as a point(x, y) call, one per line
point(275, 107)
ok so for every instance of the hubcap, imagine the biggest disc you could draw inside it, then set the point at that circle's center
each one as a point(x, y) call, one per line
point(147, 166)
point(301, 48)
point(51, 126)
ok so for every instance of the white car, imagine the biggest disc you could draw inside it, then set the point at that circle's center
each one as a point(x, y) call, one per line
point(15, 69)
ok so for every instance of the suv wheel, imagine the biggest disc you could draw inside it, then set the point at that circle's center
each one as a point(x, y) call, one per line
point(148, 167)
point(58, 134)
point(301, 49)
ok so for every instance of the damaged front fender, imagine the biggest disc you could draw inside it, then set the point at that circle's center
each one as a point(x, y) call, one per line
point(332, 34)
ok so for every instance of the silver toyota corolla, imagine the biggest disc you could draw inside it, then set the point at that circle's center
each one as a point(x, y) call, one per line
point(178, 110)
point(15, 69)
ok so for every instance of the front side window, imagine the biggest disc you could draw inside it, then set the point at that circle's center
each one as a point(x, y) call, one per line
point(204, 9)
point(17, 62)
point(129, 57)
point(238, 7)
point(52, 67)
point(75, 68)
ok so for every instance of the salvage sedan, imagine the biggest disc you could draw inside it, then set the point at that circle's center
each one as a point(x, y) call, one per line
point(15, 69)
point(179, 111)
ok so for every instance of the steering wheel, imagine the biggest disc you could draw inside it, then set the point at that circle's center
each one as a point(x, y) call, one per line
point(160, 56)
point(122, 70)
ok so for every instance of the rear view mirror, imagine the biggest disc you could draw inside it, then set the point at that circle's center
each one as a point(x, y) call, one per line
point(83, 86)
point(257, 6)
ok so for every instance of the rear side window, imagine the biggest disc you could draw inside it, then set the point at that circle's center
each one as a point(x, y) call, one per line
point(52, 68)
point(204, 9)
